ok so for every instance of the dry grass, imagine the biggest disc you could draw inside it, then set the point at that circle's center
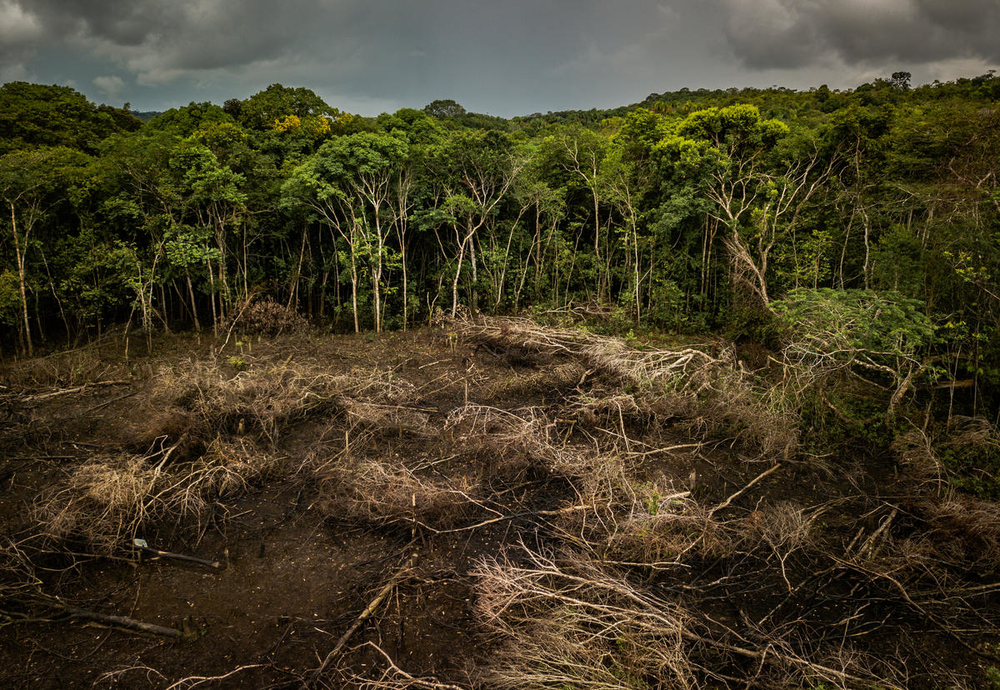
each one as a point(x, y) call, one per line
point(660, 536)
point(268, 397)
point(965, 530)
point(507, 442)
point(267, 317)
point(564, 620)
point(714, 393)
point(261, 399)
point(385, 492)
point(110, 500)
point(99, 361)
point(608, 408)
point(571, 623)
point(973, 444)
point(533, 382)
point(611, 356)
point(387, 417)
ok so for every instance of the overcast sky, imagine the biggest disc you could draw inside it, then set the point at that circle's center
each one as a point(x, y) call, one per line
point(504, 57)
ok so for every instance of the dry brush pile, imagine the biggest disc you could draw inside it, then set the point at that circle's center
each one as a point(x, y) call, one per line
point(628, 573)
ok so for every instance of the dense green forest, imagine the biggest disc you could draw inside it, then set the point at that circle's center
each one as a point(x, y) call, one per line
point(866, 222)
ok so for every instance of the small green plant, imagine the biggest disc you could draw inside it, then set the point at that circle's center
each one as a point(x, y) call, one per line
point(992, 674)
point(237, 362)
point(652, 499)
point(653, 503)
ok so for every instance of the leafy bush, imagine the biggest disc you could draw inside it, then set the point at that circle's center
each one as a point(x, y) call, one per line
point(851, 323)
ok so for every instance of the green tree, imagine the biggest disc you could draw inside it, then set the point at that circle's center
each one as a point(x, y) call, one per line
point(262, 110)
point(444, 108)
point(36, 115)
point(475, 170)
point(31, 183)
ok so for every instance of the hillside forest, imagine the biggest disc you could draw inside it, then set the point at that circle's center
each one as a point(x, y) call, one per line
point(864, 220)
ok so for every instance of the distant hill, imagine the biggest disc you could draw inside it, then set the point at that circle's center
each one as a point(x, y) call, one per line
point(146, 115)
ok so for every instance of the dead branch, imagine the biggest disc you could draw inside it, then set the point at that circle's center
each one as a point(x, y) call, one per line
point(71, 391)
point(739, 493)
point(362, 617)
point(179, 557)
point(112, 401)
point(194, 681)
point(124, 622)
point(408, 681)
point(870, 547)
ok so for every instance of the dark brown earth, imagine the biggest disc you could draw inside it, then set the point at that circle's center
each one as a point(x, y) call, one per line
point(302, 553)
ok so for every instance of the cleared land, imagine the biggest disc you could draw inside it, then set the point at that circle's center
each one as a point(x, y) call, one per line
point(482, 504)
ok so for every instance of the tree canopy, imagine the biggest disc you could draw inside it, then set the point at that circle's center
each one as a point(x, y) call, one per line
point(750, 211)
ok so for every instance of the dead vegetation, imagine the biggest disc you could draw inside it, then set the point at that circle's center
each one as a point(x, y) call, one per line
point(260, 400)
point(109, 501)
point(266, 317)
point(608, 516)
point(386, 492)
point(710, 390)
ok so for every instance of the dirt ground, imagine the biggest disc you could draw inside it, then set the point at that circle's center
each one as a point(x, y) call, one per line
point(481, 485)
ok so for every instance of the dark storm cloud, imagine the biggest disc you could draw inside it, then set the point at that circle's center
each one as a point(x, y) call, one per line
point(794, 33)
point(159, 40)
point(502, 53)
point(19, 32)
point(160, 37)
point(505, 57)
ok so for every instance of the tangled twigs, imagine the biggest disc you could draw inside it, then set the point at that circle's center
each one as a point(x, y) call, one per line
point(755, 480)
point(398, 679)
point(362, 617)
point(714, 392)
point(562, 617)
point(609, 355)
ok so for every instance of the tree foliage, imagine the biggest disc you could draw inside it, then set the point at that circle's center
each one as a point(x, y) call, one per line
point(858, 223)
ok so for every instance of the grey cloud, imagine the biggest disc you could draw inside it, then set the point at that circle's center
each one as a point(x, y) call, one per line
point(505, 57)
point(796, 33)
point(111, 85)
point(965, 16)
point(19, 32)
point(158, 38)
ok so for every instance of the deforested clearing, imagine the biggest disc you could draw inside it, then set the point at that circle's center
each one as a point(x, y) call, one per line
point(484, 503)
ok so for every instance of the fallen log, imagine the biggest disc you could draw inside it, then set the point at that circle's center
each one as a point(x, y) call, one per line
point(178, 556)
point(124, 622)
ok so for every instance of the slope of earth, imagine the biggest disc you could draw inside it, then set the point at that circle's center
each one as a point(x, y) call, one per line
point(491, 504)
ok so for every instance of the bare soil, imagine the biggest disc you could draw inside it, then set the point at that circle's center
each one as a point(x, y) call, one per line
point(442, 461)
